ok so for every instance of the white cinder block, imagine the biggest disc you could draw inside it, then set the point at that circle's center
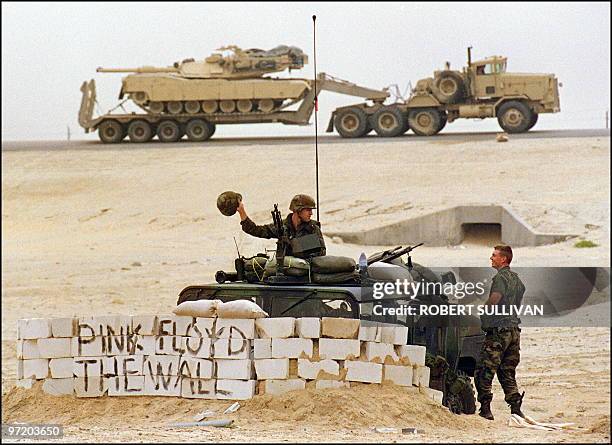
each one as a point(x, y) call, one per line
point(433, 394)
point(90, 386)
point(236, 389)
point(87, 347)
point(331, 384)
point(262, 348)
point(161, 365)
point(420, 376)
point(87, 366)
point(198, 388)
point(126, 385)
point(64, 327)
point(233, 348)
point(340, 327)
point(370, 333)
point(142, 344)
point(62, 368)
point(338, 349)
point(54, 347)
point(363, 372)
point(308, 327)
point(162, 385)
point(33, 328)
point(169, 345)
point(36, 368)
point(120, 344)
point(291, 347)
point(19, 369)
point(400, 375)
point(104, 325)
point(144, 324)
point(27, 349)
point(59, 387)
point(282, 327)
point(414, 353)
point(235, 328)
point(395, 335)
point(175, 325)
point(378, 352)
point(25, 383)
point(196, 368)
point(275, 368)
point(310, 370)
point(204, 327)
point(123, 365)
point(278, 387)
point(234, 369)
point(197, 347)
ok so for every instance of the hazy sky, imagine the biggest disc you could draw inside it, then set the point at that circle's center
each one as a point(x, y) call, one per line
point(49, 49)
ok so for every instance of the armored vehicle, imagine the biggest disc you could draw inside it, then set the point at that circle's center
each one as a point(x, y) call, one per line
point(482, 89)
point(192, 97)
point(293, 291)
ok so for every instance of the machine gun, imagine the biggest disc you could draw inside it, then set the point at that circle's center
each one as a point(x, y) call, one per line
point(282, 242)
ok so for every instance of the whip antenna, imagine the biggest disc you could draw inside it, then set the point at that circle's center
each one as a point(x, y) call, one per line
point(316, 108)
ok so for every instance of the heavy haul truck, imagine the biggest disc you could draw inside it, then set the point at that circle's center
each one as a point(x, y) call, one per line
point(192, 97)
point(482, 89)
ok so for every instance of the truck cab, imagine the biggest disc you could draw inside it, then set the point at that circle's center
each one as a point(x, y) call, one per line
point(486, 77)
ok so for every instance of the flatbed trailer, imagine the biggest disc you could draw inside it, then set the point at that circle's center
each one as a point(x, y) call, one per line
point(113, 127)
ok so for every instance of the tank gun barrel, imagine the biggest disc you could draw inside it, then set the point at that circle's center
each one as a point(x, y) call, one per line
point(143, 69)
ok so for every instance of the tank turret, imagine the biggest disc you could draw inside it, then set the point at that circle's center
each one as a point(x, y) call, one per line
point(238, 64)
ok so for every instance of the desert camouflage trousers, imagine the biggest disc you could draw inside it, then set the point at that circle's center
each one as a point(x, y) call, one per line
point(500, 353)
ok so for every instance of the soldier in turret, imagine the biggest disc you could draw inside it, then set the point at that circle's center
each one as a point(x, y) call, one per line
point(500, 351)
point(305, 237)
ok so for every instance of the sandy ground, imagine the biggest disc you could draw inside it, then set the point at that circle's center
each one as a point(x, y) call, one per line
point(123, 231)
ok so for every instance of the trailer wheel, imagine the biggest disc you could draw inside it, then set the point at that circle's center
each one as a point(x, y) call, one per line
point(532, 122)
point(514, 116)
point(443, 119)
point(198, 130)
point(168, 131)
point(388, 122)
point(110, 131)
point(448, 87)
point(351, 122)
point(425, 122)
point(140, 131)
point(213, 128)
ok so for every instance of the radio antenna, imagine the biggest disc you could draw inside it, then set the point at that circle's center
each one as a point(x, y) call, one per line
point(316, 108)
point(237, 250)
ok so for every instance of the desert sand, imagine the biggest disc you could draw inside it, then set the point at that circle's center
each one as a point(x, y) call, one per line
point(122, 231)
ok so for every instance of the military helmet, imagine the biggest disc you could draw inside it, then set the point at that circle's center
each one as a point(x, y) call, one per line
point(300, 202)
point(228, 202)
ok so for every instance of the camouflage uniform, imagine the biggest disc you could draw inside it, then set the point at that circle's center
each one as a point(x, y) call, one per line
point(269, 231)
point(501, 348)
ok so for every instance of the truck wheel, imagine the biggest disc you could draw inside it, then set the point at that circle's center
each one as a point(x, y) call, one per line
point(424, 122)
point(198, 130)
point(110, 131)
point(168, 131)
point(213, 128)
point(443, 119)
point(140, 131)
point(532, 122)
point(448, 87)
point(351, 122)
point(514, 116)
point(388, 122)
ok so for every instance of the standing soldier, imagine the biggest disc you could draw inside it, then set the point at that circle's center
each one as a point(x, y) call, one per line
point(501, 348)
point(305, 237)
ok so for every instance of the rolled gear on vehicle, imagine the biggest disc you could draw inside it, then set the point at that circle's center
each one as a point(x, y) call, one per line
point(334, 278)
point(294, 266)
point(228, 202)
point(329, 264)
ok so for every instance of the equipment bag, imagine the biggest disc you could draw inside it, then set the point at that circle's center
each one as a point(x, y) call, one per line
point(332, 264)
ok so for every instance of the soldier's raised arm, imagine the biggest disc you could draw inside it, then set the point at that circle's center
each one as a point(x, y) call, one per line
point(266, 231)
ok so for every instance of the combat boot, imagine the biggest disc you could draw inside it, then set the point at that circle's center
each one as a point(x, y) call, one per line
point(485, 410)
point(515, 407)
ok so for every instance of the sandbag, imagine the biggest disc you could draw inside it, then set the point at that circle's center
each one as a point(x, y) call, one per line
point(331, 278)
point(332, 264)
point(240, 309)
point(294, 267)
point(199, 308)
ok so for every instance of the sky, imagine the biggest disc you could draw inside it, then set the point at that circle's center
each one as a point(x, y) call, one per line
point(49, 49)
